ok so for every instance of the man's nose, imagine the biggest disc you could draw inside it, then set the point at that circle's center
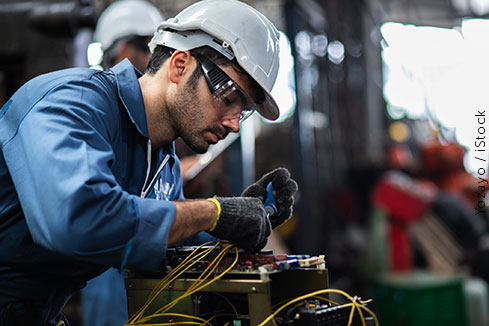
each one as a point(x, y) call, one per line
point(231, 123)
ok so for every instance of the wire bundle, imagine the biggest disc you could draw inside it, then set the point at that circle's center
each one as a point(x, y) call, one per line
point(202, 281)
point(199, 284)
point(355, 304)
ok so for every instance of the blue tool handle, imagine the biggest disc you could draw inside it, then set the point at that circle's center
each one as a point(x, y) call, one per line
point(269, 204)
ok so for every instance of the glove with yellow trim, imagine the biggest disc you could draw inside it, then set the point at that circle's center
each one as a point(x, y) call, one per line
point(242, 221)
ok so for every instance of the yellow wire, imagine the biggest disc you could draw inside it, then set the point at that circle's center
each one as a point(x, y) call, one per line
point(176, 300)
point(210, 268)
point(354, 305)
point(208, 271)
point(161, 285)
point(197, 289)
point(360, 313)
point(142, 320)
point(197, 257)
point(178, 271)
point(229, 302)
point(202, 321)
point(220, 275)
point(218, 315)
point(316, 297)
point(196, 286)
point(175, 323)
point(170, 278)
point(370, 312)
point(325, 299)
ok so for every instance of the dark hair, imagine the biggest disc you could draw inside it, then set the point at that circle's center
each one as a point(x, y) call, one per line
point(162, 53)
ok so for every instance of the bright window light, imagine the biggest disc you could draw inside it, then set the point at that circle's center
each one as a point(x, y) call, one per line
point(94, 54)
point(336, 52)
point(284, 89)
point(439, 74)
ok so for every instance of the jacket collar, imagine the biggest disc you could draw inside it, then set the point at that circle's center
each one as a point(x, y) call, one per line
point(130, 94)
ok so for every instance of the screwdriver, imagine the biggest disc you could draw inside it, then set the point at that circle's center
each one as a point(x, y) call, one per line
point(269, 204)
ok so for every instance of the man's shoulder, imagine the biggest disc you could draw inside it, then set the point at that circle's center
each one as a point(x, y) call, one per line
point(42, 84)
point(72, 75)
point(82, 92)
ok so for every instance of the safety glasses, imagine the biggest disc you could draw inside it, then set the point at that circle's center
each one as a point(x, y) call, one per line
point(229, 96)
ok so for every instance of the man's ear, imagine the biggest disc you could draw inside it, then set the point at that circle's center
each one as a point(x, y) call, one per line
point(179, 65)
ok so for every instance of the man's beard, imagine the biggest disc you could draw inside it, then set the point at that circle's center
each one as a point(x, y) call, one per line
point(188, 119)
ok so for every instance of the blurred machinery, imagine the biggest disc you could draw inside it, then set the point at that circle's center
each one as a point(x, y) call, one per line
point(38, 37)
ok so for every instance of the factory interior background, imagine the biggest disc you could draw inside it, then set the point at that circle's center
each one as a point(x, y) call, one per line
point(383, 106)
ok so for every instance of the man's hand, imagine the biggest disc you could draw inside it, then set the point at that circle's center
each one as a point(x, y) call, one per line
point(242, 221)
point(284, 190)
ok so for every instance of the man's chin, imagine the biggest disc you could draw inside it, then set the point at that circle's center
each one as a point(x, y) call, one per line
point(199, 148)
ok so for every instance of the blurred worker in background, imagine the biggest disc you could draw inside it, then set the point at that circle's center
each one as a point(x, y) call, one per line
point(123, 30)
point(88, 172)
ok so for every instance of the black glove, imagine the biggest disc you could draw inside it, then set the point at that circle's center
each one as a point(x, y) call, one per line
point(284, 190)
point(243, 221)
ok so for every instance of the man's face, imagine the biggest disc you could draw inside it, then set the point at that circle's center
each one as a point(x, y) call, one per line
point(136, 50)
point(201, 120)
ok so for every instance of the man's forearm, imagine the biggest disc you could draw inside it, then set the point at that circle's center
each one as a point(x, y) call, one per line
point(193, 216)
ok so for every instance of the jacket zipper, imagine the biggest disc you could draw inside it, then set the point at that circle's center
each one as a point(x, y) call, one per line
point(146, 189)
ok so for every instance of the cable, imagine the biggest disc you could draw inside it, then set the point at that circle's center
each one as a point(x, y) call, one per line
point(229, 302)
point(198, 285)
point(202, 281)
point(180, 269)
point(353, 304)
point(168, 279)
point(201, 320)
point(175, 323)
point(315, 297)
point(219, 315)
point(172, 276)
point(190, 291)
point(324, 299)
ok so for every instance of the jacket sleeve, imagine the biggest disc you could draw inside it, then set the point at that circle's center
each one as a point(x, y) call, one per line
point(201, 237)
point(59, 160)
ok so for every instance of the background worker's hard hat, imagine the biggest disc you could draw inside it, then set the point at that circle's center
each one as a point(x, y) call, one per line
point(124, 18)
point(234, 29)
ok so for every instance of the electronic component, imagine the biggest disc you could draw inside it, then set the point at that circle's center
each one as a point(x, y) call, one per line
point(224, 286)
point(324, 315)
point(248, 263)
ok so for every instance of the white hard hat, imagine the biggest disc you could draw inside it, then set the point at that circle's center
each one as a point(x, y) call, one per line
point(234, 29)
point(124, 18)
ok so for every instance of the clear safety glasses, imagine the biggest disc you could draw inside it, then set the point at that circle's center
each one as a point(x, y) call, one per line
point(229, 96)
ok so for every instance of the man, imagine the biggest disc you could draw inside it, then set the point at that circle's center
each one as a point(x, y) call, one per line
point(124, 30)
point(75, 187)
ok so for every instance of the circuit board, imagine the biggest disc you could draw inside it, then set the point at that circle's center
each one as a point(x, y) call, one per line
point(248, 265)
point(235, 287)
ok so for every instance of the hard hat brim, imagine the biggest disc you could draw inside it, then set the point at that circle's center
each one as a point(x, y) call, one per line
point(269, 109)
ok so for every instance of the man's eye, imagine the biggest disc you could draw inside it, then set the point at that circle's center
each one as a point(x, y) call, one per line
point(226, 101)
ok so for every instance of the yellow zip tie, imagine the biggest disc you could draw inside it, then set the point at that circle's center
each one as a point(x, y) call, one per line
point(218, 213)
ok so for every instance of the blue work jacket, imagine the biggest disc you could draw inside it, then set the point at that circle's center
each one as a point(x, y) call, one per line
point(75, 164)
